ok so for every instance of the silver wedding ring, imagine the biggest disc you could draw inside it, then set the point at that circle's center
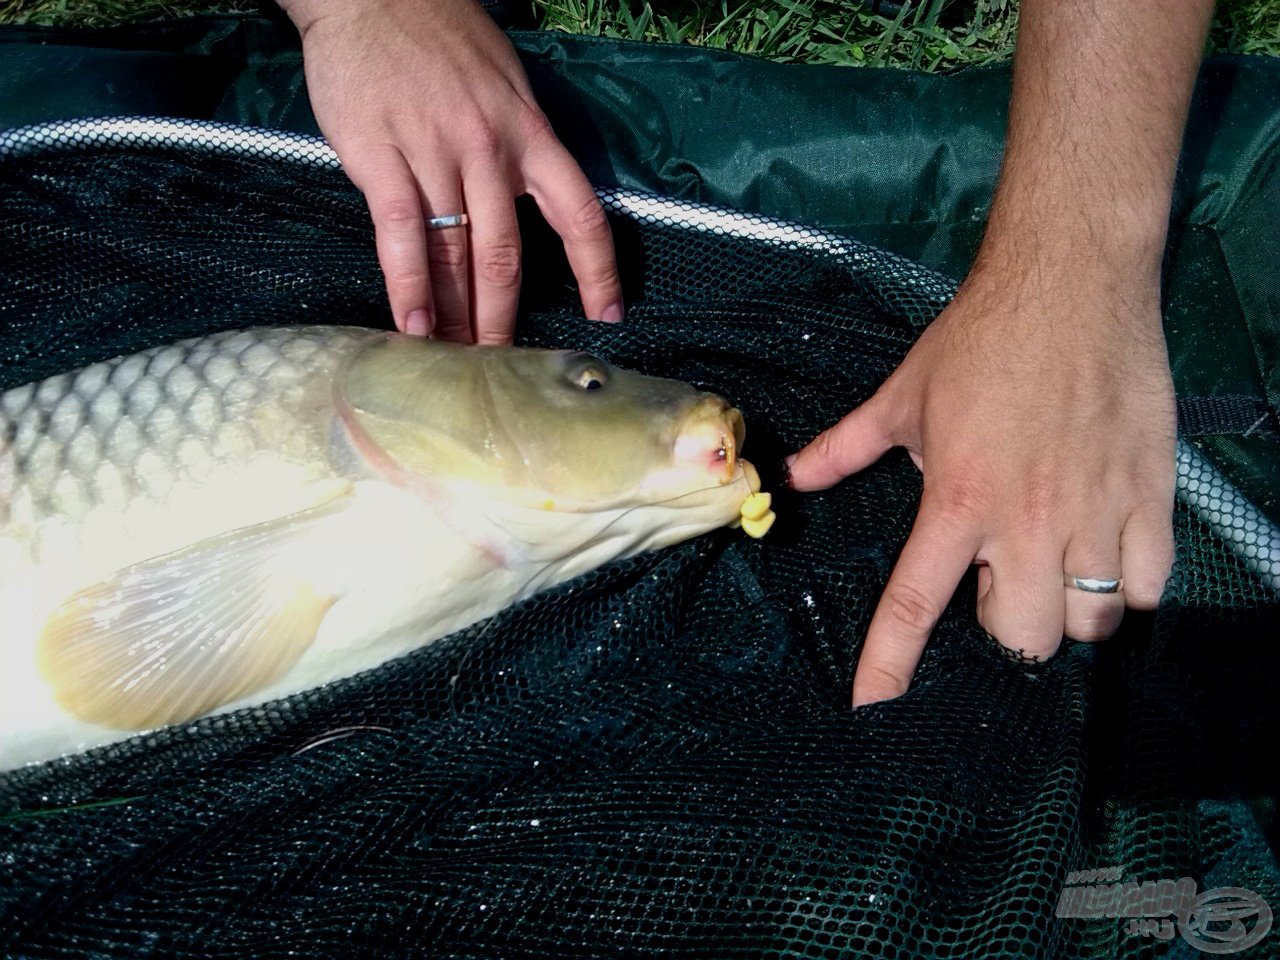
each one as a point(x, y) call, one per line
point(1093, 584)
point(453, 220)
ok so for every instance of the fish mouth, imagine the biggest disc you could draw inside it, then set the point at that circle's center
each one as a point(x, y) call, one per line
point(711, 436)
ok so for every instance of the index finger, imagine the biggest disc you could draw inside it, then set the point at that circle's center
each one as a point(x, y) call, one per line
point(573, 210)
point(400, 236)
point(935, 557)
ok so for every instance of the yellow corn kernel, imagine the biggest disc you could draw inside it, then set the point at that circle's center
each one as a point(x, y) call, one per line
point(756, 506)
point(758, 528)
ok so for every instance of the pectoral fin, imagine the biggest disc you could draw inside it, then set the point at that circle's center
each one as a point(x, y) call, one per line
point(174, 637)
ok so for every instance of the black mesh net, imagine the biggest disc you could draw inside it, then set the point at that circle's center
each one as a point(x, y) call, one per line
point(657, 759)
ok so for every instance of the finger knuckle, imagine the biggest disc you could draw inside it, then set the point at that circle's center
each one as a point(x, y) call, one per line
point(534, 125)
point(371, 173)
point(446, 255)
point(407, 280)
point(828, 445)
point(397, 214)
point(839, 448)
point(599, 277)
point(908, 608)
point(1039, 499)
point(588, 223)
point(967, 493)
point(499, 265)
point(483, 139)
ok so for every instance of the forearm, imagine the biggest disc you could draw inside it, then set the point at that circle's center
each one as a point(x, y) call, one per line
point(1101, 90)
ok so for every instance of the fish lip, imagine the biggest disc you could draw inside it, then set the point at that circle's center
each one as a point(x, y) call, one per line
point(737, 432)
point(733, 434)
point(711, 434)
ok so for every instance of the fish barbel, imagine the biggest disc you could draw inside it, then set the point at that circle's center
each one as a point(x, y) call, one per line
point(239, 517)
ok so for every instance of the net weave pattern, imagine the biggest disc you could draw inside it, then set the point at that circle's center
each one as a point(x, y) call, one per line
point(657, 759)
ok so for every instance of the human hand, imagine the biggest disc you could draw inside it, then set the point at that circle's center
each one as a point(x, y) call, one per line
point(1044, 425)
point(431, 114)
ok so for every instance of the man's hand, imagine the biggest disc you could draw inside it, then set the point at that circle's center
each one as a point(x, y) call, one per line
point(430, 112)
point(1039, 404)
point(1044, 424)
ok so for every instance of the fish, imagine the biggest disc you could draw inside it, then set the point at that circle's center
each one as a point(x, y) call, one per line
point(236, 518)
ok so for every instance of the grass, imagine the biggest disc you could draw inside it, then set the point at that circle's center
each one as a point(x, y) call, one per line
point(924, 34)
point(803, 31)
point(104, 13)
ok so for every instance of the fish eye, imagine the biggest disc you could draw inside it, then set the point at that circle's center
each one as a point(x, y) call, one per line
point(589, 373)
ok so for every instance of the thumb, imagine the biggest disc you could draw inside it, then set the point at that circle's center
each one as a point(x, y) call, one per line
point(853, 444)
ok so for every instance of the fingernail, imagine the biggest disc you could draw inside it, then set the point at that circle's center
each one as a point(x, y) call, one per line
point(613, 313)
point(862, 699)
point(787, 463)
point(418, 323)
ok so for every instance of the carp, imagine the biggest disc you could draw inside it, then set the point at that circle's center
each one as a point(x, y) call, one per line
point(236, 518)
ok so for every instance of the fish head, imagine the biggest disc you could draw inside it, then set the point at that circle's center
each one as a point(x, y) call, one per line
point(555, 430)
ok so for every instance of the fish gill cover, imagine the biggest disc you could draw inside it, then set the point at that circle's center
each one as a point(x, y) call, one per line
point(657, 759)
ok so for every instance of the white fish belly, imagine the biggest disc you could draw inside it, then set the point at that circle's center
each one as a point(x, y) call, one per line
point(136, 457)
point(402, 578)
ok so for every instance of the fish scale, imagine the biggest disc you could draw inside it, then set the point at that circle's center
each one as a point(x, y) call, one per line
point(130, 431)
